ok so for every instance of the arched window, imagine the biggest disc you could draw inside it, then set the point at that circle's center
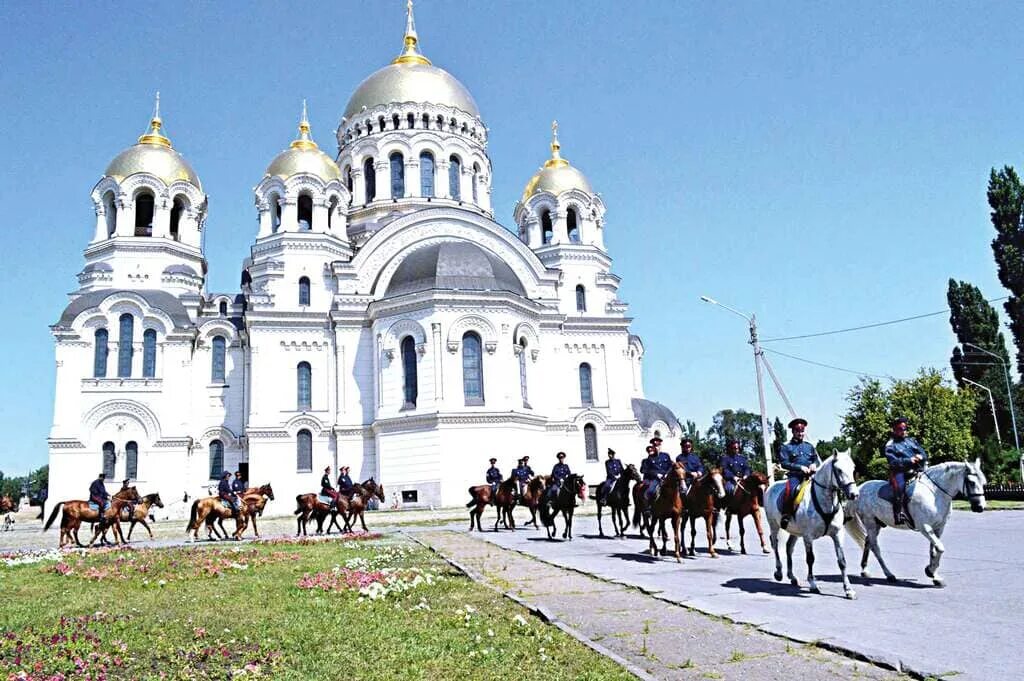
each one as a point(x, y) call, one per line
point(176, 211)
point(275, 213)
point(426, 121)
point(590, 441)
point(99, 358)
point(586, 386)
point(217, 363)
point(454, 178)
point(332, 210)
point(426, 174)
point(397, 175)
point(110, 213)
point(581, 298)
point(412, 121)
point(546, 229)
point(303, 290)
point(476, 174)
point(305, 386)
point(216, 459)
point(370, 180)
point(522, 371)
point(409, 381)
point(394, 121)
point(305, 212)
point(131, 460)
point(348, 178)
point(126, 325)
point(109, 460)
point(144, 214)
point(222, 308)
point(572, 223)
point(149, 353)
point(472, 369)
point(304, 451)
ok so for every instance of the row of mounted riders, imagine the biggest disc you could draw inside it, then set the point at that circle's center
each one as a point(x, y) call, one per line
point(128, 506)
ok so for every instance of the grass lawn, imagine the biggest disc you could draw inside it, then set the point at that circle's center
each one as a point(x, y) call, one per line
point(371, 609)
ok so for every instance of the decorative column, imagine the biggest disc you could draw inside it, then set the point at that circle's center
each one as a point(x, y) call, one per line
point(265, 219)
point(162, 218)
point(383, 169)
point(358, 187)
point(561, 227)
point(441, 187)
point(125, 216)
point(289, 215)
point(319, 216)
point(435, 331)
point(101, 223)
point(412, 172)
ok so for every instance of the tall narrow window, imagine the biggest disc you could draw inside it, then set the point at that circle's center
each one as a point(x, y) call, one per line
point(176, 211)
point(222, 308)
point(370, 180)
point(348, 179)
point(217, 363)
point(124, 345)
point(572, 224)
point(275, 213)
point(522, 371)
point(409, 382)
point(332, 210)
point(546, 229)
point(586, 386)
point(397, 175)
point(426, 174)
point(149, 353)
point(581, 298)
point(303, 290)
point(131, 460)
point(109, 460)
point(472, 369)
point(454, 178)
point(590, 441)
point(305, 386)
point(304, 451)
point(476, 175)
point(305, 212)
point(216, 459)
point(144, 214)
point(110, 213)
point(99, 358)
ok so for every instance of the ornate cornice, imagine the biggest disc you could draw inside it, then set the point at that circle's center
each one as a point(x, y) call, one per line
point(64, 443)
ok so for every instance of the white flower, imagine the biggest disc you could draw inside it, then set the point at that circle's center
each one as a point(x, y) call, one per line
point(518, 619)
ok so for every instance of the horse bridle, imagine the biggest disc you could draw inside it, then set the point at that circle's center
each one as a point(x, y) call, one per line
point(968, 474)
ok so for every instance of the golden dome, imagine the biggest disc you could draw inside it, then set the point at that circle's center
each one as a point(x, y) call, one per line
point(304, 156)
point(154, 155)
point(557, 175)
point(410, 77)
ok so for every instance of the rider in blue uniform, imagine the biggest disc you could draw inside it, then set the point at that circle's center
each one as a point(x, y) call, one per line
point(326, 488)
point(694, 466)
point(493, 477)
point(522, 475)
point(559, 473)
point(345, 486)
point(612, 471)
point(734, 466)
point(800, 461)
point(658, 467)
point(906, 457)
point(98, 493)
point(225, 493)
point(238, 485)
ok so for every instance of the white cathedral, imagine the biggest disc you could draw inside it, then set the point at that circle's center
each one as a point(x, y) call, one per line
point(386, 321)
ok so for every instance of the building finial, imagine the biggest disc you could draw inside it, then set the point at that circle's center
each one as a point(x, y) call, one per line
point(305, 139)
point(556, 160)
point(410, 51)
point(153, 134)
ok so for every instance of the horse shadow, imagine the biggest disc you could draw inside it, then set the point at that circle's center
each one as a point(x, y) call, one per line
point(597, 536)
point(636, 557)
point(876, 581)
point(760, 585)
point(550, 540)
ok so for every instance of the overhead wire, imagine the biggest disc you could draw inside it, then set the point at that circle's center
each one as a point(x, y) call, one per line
point(828, 366)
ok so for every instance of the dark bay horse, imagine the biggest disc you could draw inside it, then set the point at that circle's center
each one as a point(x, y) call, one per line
point(668, 505)
point(309, 506)
point(617, 500)
point(76, 512)
point(565, 502)
point(141, 512)
point(254, 499)
point(532, 496)
point(362, 494)
point(746, 500)
point(699, 502)
point(6, 505)
point(504, 500)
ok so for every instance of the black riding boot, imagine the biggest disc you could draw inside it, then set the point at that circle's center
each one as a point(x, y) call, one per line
point(898, 517)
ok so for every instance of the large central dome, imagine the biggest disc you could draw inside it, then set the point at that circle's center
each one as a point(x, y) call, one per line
point(410, 78)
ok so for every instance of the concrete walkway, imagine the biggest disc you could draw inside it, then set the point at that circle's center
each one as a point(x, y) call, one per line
point(657, 638)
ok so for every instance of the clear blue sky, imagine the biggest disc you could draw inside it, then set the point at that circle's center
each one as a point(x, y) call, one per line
point(820, 164)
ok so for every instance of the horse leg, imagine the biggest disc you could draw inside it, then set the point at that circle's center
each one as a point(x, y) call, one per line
point(675, 535)
point(841, 559)
point(653, 546)
point(790, 543)
point(255, 529)
point(935, 551)
point(871, 544)
point(709, 523)
point(743, 534)
point(497, 518)
point(760, 532)
point(774, 538)
point(600, 529)
point(728, 538)
point(693, 535)
point(811, 581)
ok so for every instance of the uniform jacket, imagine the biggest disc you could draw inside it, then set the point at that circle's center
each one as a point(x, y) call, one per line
point(612, 468)
point(493, 474)
point(793, 455)
point(560, 472)
point(98, 491)
point(238, 485)
point(224, 490)
point(344, 484)
point(692, 462)
point(900, 452)
point(325, 482)
point(649, 468)
point(734, 467)
point(522, 473)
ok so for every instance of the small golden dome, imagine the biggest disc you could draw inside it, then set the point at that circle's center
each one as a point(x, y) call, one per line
point(304, 156)
point(154, 155)
point(557, 175)
point(410, 77)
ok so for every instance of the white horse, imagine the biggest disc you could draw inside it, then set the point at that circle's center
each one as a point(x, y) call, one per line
point(820, 513)
point(930, 498)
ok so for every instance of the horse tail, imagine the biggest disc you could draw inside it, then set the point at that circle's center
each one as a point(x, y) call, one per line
point(472, 500)
point(192, 516)
point(854, 525)
point(545, 514)
point(53, 516)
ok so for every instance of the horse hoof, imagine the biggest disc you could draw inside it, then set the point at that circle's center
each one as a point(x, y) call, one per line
point(891, 579)
point(938, 581)
point(778, 576)
point(793, 581)
point(815, 589)
point(851, 595)
point(866, 574)
point(714, 555)
point(928, 572)
point(764, 550)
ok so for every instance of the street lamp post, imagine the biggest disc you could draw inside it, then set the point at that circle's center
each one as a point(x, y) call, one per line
point(992, 404)
point(758, 358)
point(1009, 398)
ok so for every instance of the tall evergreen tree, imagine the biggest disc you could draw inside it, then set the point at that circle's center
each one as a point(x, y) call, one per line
point(1006, 199)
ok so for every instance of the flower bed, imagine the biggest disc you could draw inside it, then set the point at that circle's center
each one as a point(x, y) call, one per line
point(160, 566)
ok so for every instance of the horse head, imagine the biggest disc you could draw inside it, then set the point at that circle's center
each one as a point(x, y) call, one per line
point(974, 485)
point(632, 473)
point(378, 490)
point(579, 487)
point(154, 499)
point(842, 473)
point(267, 491)
point(714, 477)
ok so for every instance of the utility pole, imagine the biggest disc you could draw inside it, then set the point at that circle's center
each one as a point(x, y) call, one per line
point(1009, 398)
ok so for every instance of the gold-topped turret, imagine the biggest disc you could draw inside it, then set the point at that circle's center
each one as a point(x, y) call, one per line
point(305, 140)
point(556, 160)
point(557, 175)
point(304, 156)
point(410, 52)
point(153, 134)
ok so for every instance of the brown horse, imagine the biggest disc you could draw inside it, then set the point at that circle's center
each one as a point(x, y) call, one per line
point(746, 500)
point(206, 506)
point(6, 505)
point(532, 496)
point(668, 504)
point(617, 500)
point(504, 500)
point(76, 512)
point(361, 495)
point(111, 518)
point(309, 506)
point(254, 499)
point(700, 502)
point(140, 513)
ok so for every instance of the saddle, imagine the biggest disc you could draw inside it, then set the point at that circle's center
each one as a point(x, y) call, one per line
point(801, 492)
point(227, 505)
point(324, 499)
point(93, 506)
point(886, 492)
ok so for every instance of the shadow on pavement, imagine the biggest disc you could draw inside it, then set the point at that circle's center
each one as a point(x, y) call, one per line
point(636, 557)
point(759, 585)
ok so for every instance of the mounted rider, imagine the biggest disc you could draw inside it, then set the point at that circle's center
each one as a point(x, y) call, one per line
point(559, 473)
point(734, 465)
point(130, 506)
point(522, 475)
point(238, 484)
point(345, 486)
point(225, 494)
point(906, 458)
point(493, 477)
point(327, 489)
point(612, 471)
point(691, 462)
point(98, 493)
point(657, 465)
point(800, 461)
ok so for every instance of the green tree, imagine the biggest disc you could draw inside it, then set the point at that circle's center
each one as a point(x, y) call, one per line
point(1006, 199)
point(825, 447)
point(740, 425)
point(778, 437)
